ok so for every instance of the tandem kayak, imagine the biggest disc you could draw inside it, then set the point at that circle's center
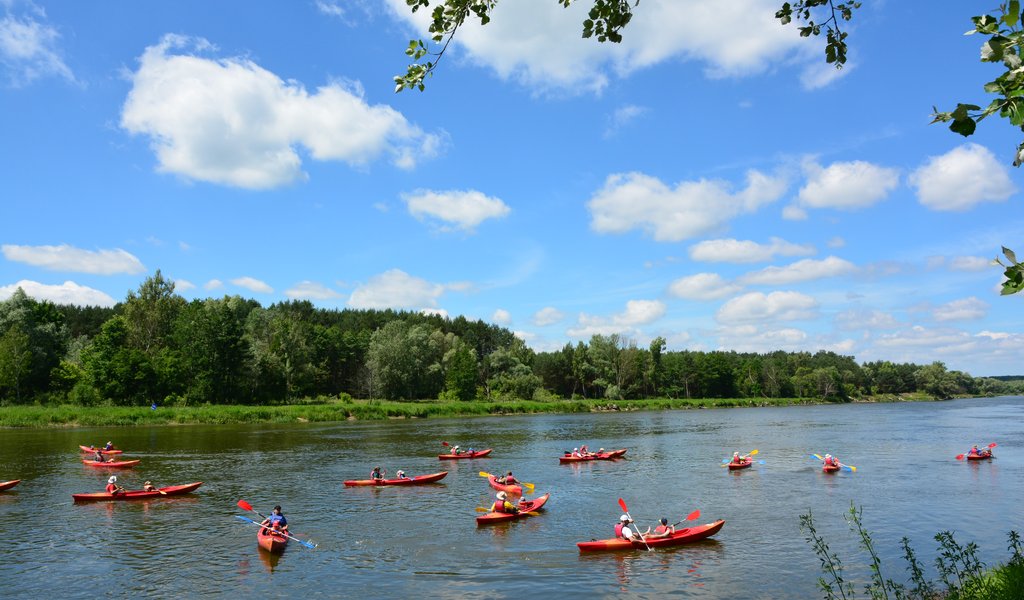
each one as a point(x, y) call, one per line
point(526, 507)
point(174, 490)
point(6, 485)
point(610, 455)
point(419, 479)
point(516, 490)
point(743, 465)
point(985, 456)
point(476, 454)
point(102, 451)
point(117, 464)
point(680, 537)
point(270, 541)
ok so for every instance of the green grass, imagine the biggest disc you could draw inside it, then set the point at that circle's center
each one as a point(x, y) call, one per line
point(319, 410)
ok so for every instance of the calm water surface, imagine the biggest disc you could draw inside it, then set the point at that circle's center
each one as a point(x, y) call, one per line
point(418, 541)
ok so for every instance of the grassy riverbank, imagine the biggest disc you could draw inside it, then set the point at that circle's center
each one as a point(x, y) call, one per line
point(349, 410)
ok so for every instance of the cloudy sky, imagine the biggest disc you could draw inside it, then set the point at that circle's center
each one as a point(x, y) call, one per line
point(709, 180)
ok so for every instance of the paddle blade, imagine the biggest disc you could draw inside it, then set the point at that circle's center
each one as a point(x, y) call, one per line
point(622, 503)
point(484, 474)
point(993, 445)
point(694, 515)
point(725, 464)
point(725, 460)
point(444, 443)
point(482, 509)
point(529, 486)
point(752, 453)
point(246, 519)
point(244, 505)
point(307, 544)
point(959, 456)
point(760, 462)
point(850, 468)
point(818, 457)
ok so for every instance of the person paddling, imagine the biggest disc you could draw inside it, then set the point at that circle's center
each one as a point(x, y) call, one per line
point(976, 452)
point(376, 474)
point(623, 530)
point(663, 530)
point(275, 521)
point(400, 474)
point(831, 461)
point(98, 456)
point(148, 487)
point(737, 459)
point(109, 446)
point(112, 488)
point(502, 505)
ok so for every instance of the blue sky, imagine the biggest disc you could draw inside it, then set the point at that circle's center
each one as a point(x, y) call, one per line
point(710, 180)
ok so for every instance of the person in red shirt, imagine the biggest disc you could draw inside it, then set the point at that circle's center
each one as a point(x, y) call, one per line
point(112, 488)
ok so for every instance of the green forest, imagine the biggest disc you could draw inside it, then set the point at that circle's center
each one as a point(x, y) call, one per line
point(158, 347)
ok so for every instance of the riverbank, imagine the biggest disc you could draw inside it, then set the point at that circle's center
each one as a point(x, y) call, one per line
point(364, 410)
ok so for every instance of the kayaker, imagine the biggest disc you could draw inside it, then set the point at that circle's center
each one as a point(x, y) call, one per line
point(831, 461)
point(98, 456)
point(109, 446)
point(576, 453)
point(623, 530)
point(737, 459)
point(148, 487)
point(376, 474)
point(663, 530)
point(112, 488)
point(456, 450)
point(976, 452)
point(584, 450)
point(502, 504)
point(276, 520)
point(509, 479)
point(400, 474)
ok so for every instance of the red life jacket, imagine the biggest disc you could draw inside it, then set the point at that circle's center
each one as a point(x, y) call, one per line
point(618, 531)
point(509, 480)
point(111, 488)
point(499, 506)
point(661, 529)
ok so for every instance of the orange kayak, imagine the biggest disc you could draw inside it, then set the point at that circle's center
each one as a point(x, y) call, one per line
point(680, 537)
point(174, 490)
point(477, 454)
point(270, 541)
point(6, 485)
point(419, 479)
point(118, 464)
point(525, 508)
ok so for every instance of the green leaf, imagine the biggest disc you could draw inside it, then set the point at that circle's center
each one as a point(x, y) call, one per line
point(1010, 255)
point(1012, 16)
point(964, 127)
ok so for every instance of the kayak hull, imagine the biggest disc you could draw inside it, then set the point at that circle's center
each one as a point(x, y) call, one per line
point(6, 485)
point(120, 464)
point(680, 537)
point(418, 480)
point(478, 454)
point(743, 465)
point(610, 455)
point(273, 543)
point(174, 490)
point(516, 490)
point(525, 508)
point(102, 451)
point(979, 456)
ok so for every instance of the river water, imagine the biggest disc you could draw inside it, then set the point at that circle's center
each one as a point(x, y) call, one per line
point(416, 541)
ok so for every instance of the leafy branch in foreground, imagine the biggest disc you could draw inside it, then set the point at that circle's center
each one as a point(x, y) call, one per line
point(835, 39)
point(1014, 272)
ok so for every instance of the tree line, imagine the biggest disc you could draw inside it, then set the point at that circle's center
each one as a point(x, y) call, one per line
point(158, 347)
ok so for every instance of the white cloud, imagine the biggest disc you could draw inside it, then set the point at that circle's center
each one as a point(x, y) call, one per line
point(75, 260)
point(702, 286)
point(802, 270)
point(330, 8)
point(548, 315)
point(501, 316)
point(970, 263)
point(746, 251)
point(462, 209)
point(846, 185)
point(214, 284)
point(311, 290)
point(232, 122)
point(962, 178)
point(865, 319)
point(438, 312)
point(253, 285)
point(836, 242)
point(29, 49)
point(637, 312)
point(961, 310)
point(396, 289)
point(819, 74)
point(183, 285)
point(793, 212)
point(637, 201)
point(67, 293)
point(552, 55)
point(776, 306)
point(624, 115)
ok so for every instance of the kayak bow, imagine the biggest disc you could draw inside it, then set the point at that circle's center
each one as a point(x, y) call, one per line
point(6, 485)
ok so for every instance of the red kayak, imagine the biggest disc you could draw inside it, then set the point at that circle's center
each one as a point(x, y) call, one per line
point(6, 485)
point(117, 464)
point(102, 451)
point(525, 508)
point(610, 455)
point(830, 468)
point(174, 490)
point(984, 456)
point(420, 479)
point(743, 465)
point(476, 454)
point(270, 541)
point(502, 487)
point(680, 537)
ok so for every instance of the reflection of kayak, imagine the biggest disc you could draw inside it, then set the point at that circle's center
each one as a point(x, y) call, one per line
point(681, 536)
point(510, 489)
point(611, 454)
point(476, 454)
point(173, 490)
point(6, 485)
point(118, 464)
point(270, 541)
point(743, 465)
point(102, 451)
point(985, 456)
point(408, 481)
point(830, 468)
point(525, 508)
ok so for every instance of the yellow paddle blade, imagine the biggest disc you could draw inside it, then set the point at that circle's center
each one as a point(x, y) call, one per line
point(482, 509)
point(484, 474)
point(754, 452)
point(819, 457)
point(724, 465)
point(528, 486)
point(853, 469)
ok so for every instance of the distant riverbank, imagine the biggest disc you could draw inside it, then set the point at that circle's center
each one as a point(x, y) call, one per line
point(366, 410)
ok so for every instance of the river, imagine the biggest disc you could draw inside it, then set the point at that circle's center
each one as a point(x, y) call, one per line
point(415, 541)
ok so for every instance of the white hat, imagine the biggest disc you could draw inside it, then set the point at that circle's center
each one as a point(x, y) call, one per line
point(624, 518)
point(735, 453)
point(601, 450)
point(113, 479)
point(828, 456)
point(501, 495)
point(575, 449)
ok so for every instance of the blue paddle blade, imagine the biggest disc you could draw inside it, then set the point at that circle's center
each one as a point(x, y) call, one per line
point(760, 462)
point(725, 460)
point(246, 519)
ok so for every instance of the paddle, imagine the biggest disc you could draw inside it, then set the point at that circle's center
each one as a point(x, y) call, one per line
point(622, 503)
point(291, 537)
point(992, 445)
point(529, 486)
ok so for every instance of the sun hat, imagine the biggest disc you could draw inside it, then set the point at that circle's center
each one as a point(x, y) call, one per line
point(113, 479)
point(624, 518)
point(501, 495)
